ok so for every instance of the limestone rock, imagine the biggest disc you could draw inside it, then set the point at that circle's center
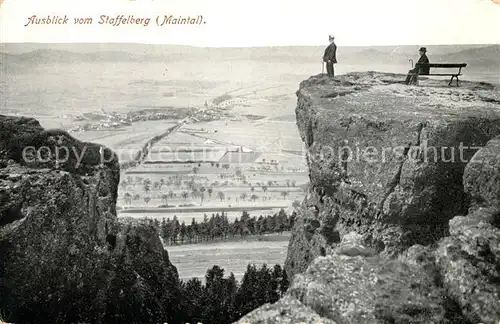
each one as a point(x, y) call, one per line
point(64, 257)
point(377, 238)
point(469, 265)
point(287, 310)
point(368, 290)
point(482, 175)
point(352, 245)
point(387, 160)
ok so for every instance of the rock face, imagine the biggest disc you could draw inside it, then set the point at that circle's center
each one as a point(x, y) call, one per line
point(386, 160)
point(64, 257)
point(378, 238)
point(481, 177)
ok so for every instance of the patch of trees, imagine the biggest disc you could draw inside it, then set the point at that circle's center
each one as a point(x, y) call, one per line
point(218, 227)
point(224, 300)
point(220, 99)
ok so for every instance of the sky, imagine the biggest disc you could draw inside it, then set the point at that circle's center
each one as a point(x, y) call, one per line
point(244, 23)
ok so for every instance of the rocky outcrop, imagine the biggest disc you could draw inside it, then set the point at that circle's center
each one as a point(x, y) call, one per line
point(288, 310)
point(378, 238)
point(350, 286)
point(469, 266)
point(64, 257)
point(455, 282)
point(386, 160)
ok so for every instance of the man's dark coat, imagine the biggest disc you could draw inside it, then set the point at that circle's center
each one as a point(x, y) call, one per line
point(423, 70)
point(330, 53)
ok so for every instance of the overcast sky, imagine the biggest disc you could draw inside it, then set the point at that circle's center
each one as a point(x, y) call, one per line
point(262, 22)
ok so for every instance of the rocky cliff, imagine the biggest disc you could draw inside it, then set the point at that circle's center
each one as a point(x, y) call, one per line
point(401, 222)
point(64, 258)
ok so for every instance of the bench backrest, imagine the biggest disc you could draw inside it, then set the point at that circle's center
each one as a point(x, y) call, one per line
point(443, 65)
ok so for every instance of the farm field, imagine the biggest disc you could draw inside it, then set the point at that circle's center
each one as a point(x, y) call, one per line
point(193, 260)
point(211, 167)
point(259, 135)
point(215, 188)
point(126, 141)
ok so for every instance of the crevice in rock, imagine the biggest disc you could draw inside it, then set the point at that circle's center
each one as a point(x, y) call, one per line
point(103, 191)
point(322, 193)
point(110, 239)
point(426, 234)
point(309, 134)
point(310, 226)
point(489, 99)
point(397, 177)
point(328, 230)
point(339, 93)
point(346, 123)
point(395, 181)
point(453, 312)
point(496, 220)
point(10, 215)
point(420, 129)
point(345, 158)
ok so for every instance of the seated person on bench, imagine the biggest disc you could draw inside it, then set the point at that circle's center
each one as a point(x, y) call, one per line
point(411, 78)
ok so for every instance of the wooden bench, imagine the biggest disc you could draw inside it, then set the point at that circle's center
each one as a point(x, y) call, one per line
point(458, 66)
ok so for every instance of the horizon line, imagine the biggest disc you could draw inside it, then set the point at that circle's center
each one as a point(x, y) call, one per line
point(234, 47)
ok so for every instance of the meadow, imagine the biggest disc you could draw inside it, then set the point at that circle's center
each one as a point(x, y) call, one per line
point(193, 260)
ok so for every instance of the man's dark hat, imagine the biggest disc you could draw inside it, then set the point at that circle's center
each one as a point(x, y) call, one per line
point(423, 49)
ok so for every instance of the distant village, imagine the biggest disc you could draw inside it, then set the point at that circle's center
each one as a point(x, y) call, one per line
point(207, 112)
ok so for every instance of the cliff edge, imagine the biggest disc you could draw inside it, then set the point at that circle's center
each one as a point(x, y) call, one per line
point(64, 257)
point(401, 221)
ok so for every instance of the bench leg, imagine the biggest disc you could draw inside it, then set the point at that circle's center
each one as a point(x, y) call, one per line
point(451, 80)
point(458, 83)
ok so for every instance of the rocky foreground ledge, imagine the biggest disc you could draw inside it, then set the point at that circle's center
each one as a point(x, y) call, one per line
point(64, 258)
point(401, 223)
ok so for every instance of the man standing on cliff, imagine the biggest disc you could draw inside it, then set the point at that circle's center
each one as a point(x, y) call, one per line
point(330, 56)
point(418, 70)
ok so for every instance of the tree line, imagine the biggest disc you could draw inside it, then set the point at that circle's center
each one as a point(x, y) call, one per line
point(218, 227)
point(223, 300)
